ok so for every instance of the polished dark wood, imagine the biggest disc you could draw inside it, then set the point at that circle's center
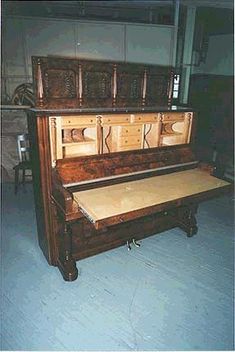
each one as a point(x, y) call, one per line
point(73, 170)
point(96, 83)
point(74, 83)
point(129, 85)
point(69, 87)
point(41, 172)
point(66, 234)
point(163, 79)
point(66, 262)
point(88, 241)
point(186, 219)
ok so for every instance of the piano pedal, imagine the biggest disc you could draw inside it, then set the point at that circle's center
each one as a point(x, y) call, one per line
point(128, 246)
point(137, 244)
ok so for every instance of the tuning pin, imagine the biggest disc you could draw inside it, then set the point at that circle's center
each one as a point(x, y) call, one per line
point(135, 243)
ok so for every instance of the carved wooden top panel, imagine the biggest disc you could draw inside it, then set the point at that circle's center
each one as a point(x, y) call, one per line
point(129, 85)
point(71, 83)
point(60, 83)
point(96, 83)
point(158, 86)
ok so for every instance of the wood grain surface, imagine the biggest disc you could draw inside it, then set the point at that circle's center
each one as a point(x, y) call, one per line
point(101, 203)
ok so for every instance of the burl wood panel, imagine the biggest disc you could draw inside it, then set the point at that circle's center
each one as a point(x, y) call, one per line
point(136, 195)
point(79, 169)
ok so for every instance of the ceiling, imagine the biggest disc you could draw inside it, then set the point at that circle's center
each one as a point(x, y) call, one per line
point(161, 12)
point(209, 3)
point(155, 12)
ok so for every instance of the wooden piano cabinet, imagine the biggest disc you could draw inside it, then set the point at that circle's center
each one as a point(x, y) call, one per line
point(88, 241)
point(66, 261)
point(114, 214)
point(38, 127)
point(113, 161)
point(79, 239)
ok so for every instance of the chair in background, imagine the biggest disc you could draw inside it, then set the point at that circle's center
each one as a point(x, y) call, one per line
point(24, 163)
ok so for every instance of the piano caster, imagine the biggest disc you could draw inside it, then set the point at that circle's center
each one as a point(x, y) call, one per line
point(192, 231)
point(187, 221)
point(135, 243)
point(128, 246)
point(68, 269)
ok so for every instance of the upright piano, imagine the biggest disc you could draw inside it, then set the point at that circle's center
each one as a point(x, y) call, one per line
point(113, 160)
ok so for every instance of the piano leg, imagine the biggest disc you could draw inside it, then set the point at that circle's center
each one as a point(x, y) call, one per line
point(66, 262)
point(186, 220)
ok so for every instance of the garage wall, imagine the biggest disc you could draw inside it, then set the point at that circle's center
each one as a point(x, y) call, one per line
point(220, 56)
point(24, 37)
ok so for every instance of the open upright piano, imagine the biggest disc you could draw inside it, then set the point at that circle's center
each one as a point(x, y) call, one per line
point(113, 160)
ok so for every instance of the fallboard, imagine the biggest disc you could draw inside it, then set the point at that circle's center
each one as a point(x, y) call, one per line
point(83, 169)
point(106, 206)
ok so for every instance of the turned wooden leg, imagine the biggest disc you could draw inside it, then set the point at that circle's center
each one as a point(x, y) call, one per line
point(66, 262)
point(186, 220)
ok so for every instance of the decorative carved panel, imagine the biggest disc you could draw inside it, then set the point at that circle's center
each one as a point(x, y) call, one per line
point(158, 85)
point(96, 84)
point(60, 83)
point(129, 84)
point(56, 82)
point(70, 83)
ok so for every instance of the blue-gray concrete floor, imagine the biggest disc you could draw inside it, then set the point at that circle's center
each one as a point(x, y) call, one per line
point(173, 293)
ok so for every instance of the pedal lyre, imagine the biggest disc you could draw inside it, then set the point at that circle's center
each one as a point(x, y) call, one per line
point(128, 246)
point(137, 244)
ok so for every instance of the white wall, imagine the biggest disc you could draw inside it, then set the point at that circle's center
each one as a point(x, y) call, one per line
point(149, 44)
point(220, 58)
point(25, 37)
